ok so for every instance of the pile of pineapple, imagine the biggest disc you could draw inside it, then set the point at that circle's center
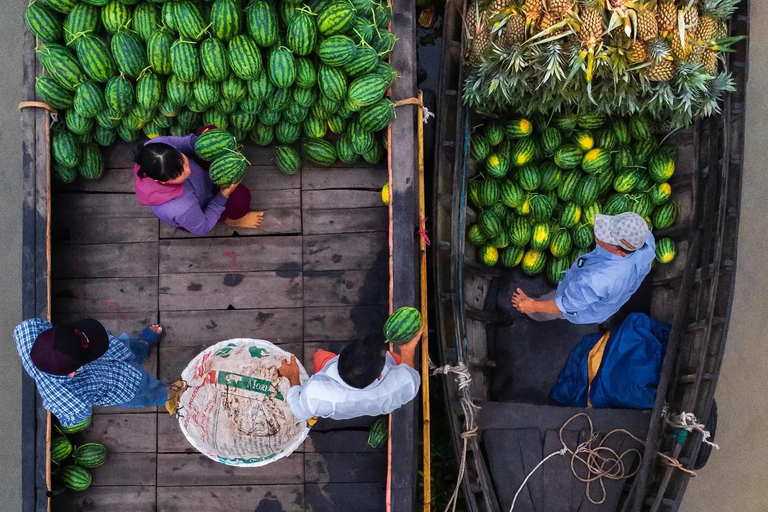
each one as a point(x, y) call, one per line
point(654, 57)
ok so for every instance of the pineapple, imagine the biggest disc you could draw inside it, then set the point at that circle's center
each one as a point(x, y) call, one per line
point(709, 61)
point(707, 28)
point(496, 6)
point(637, 52)
point(532, 10)
point(660, 71)
point(680, 50)
point(647, 25)
point(591, 27)
point(691, 16)
point(559, 6)
point(722, 30)
point(666, 14)
point(514, 31)
point(550, 18)
point(479, 43)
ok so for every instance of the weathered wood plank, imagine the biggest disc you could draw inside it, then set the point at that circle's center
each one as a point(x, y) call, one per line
point(335, 199)
point(340, 441)
point(276, 221)
point(170, 438)
point(275, 199)
point(342, 287)
point(357, 497)
point(100, 205)
point(104, 295)
point(230, 254)
point(120, 154)
point(125, 432)
point(118, 498)
point(126, 469)
point(113, 180)
point(372, 178)
point(269, 177)
point(106, 260)
point(345, 467)
point(343, 323)
point(241, 290)
point(193, 328)
point(557, 476)
point(352, 251)
point(196, 469)
point(345, 220)
point(173, 360)
point(77, 230)
point(283, 498)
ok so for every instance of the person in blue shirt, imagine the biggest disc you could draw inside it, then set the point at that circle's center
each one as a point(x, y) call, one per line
point(79, 365)
point(600, 282)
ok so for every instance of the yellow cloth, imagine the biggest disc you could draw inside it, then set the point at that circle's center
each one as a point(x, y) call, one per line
point(594, 360)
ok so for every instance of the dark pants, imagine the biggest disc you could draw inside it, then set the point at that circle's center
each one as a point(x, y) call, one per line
point(238, 204)
point(151, 391)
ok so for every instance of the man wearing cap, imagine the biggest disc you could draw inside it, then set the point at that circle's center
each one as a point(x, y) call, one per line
point(598, 283)
point(79, 365)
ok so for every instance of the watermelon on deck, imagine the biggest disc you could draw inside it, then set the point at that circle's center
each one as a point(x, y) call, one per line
point(313, 276)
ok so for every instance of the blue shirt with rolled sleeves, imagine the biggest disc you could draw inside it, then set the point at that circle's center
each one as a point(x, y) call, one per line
point(600, 282)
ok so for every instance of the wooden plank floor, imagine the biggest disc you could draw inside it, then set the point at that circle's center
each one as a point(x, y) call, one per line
point(313, 276)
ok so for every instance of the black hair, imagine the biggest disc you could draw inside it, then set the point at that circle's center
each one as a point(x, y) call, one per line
point(159, 161)
point(361, 362)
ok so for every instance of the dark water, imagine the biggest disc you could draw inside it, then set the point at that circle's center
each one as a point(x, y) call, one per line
point(430, 44)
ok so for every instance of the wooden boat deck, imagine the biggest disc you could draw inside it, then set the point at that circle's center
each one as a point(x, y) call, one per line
point(313, 276)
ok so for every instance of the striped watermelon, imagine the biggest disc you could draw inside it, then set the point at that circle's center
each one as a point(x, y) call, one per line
point(402, 325)
point(289, 11)
point(262, 134)
point(590, 211)
point(375, 154)
point(617, 203)
point(565, 123)
point(511, 256)
point(53, 93)
point(362, 7)
point(62, 6)
point(333, 83)
point(379, 433)
point(304, 97)
point(596, 160)
point(115, 16)
point(287, 159)
point(529, 177)
point(561, 244)
point(43, 23)
point(489, 255)
point(583, 236)
point(606, 139)
point(64, 174)
point(118, 94)
point(59, 62)
point(551, 139)
point(185, 61)
point(146, 20)
point(91, 164)
point(541, 235)
point(337, 50)
point(269, 116)
point(626, 181)
point(301, 34)
point(644, 149)
point(178, 91)
point(260, 88)
point(621, 130)
point(382, 13)
point(491, 224)
point(245, 57)
point(96, 58)
point(362, 140)
point(525, 208)
point(344, 149)
point(282, 68)
point(129, 53)
point(306, 75)
point(363, 62)
point(640, 128)
point(127, 134)
point(108, 119)
point(83, 19)
point(262, 23)
point(524, 152)
point(320, 151)
point(77, 124)
point(622, 159)
point(660, 193)
point(149, 90)
point(206, 91)
point(568, 156)
point(65, 148)
point(511, 194)
point(214, 143)
point(475, 235)
point(188, 20)
point(166, 14)
point(479, 148)
point(378, 116)
point(550, 176)
point(592, 121)
point(367, 90)
point(556, 268)
point(314, 127)
point(661, 166)
point(89, 99)
point(337, 18)
point(501, 241)
point(159, 51)
point(384, 42)
point(497, 165)
point(541, 207)
point(665, 252)
point(533, 262)
point(570, 215)
point(641, 204)
point(225, 19)
point(584, 140)
point(518, 128)
point(279, 99)
point(295, 113)
point(386, 71)
point(75, 478)
point(566, 190)
point(227, 169)
point(586, 190)
point(214, 59)
point(104, 137)
point(90, 455)
point(188, 119)
point(664, 216)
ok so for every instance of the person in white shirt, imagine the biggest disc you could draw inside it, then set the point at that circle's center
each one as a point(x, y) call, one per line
point(364, 380)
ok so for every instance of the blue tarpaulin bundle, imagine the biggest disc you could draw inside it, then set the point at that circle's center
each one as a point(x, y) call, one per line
point(620, 368)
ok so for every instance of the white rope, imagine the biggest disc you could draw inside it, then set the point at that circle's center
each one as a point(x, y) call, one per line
point(463, 379)
point(688, 421)
point(562, 451)
point(427, 114)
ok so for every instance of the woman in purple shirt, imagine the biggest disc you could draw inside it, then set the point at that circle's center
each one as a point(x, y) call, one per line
point(181, 193)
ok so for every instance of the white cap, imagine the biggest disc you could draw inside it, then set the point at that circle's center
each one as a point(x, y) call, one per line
point(627, 230)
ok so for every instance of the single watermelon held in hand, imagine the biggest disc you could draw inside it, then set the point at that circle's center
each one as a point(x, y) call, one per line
point(379, 433)
point(402, 325)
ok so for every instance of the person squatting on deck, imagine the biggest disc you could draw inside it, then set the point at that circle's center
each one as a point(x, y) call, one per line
point(79, 365)
point(181, 193)
point(364, 380)
point(602, 281)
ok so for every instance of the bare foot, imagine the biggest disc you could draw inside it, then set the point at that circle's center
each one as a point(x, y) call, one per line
point(250, 220)
point(522, 302)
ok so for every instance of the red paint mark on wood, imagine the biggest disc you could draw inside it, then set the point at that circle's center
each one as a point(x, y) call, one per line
point(233, 255)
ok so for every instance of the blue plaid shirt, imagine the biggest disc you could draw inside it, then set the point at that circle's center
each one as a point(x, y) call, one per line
point(109, 380)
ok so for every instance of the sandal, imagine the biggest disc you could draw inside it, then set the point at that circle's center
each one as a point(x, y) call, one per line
point(150, 337)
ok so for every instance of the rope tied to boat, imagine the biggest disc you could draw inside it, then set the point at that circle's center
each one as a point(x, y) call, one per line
point(416, 101)
point(600, 461)
point(463, 380)
point(687, 421)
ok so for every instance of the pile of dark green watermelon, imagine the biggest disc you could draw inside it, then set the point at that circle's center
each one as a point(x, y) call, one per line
point(265, 70)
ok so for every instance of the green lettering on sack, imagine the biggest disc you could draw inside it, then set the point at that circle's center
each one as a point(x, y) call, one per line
point(245, 382)
point(257, 352)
